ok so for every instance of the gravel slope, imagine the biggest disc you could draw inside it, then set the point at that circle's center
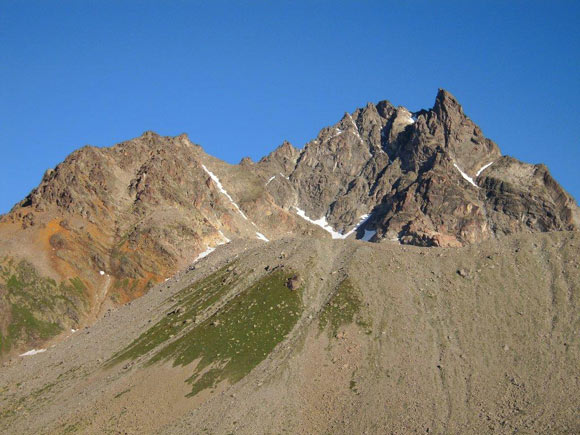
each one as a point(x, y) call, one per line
point(470, 340)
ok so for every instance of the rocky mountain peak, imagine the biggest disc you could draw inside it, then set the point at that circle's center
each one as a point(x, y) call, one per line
point(446, 104)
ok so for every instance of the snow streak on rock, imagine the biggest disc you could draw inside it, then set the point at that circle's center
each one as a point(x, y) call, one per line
point(210, 249)
point(261, 237)
point(322, 223)
point(464, 175)
point(483, 169)
point(32, 352)
point(216, 180)
point(205, 253)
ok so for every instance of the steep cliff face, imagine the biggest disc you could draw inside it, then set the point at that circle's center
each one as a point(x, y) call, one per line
point(111, 222)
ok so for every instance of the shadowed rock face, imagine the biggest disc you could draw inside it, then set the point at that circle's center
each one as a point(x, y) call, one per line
point(143, 209)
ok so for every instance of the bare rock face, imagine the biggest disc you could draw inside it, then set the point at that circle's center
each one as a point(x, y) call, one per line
point(139, 211)
point(429, 178)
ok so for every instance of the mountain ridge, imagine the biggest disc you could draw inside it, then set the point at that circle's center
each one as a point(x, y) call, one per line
point(122, 218)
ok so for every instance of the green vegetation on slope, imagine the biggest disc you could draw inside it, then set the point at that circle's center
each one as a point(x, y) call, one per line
point(192, 301)
point(343, 307)
point(35, 308)
point(237, 338)
point(231, 342)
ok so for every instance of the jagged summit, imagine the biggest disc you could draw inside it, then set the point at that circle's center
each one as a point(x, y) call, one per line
point(117, 220)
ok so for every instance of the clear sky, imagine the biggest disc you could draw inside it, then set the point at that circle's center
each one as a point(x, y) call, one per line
point(241, 76)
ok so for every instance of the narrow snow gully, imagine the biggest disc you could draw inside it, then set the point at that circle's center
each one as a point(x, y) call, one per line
point(323, 223)
point(220, 187)
point(465, 176)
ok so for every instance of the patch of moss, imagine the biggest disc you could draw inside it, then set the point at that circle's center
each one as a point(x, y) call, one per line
point(193, 300)
point(36, 307)
point(343, 307)
point(233, 341)
point(78, 285)
point(72, 428)
point(23, 321)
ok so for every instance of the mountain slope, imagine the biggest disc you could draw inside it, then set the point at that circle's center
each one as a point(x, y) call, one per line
point(108, 223)
point(372, 337)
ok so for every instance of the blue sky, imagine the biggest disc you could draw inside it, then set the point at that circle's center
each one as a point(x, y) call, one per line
point(241, 76)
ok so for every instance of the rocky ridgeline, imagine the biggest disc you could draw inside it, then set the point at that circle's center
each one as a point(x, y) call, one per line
point(120, 219)
point(429, 178)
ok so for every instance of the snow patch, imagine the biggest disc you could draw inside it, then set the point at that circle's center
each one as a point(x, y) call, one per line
point(483, 168)
point(205, 253)
point(338, 133)
point(362, 220)
point(261, 237)
point(32, 352)
point(270, 179)
point(464, 175)
point(216, 180)
point(224, 238)
point(368, 235)
point(209, 249)
point(73, 330)
point(323, 223)
point(287, 178)
point(355, 127)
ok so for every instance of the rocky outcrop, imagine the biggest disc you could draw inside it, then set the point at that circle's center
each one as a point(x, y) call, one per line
point(429, 178)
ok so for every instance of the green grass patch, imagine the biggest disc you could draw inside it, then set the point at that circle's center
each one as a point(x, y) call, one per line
point(344, 307)
point(237, 338)
point(78, 285)
point(37, 307)
point(231, 342)
point(24, 321)
point(191, 302)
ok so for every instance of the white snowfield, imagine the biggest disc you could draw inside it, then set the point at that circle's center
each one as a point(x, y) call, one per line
point(102, 272)
point(205, 253)
point(322, 223)
point(217, 182)
point(32, 352)
point(270, 179)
